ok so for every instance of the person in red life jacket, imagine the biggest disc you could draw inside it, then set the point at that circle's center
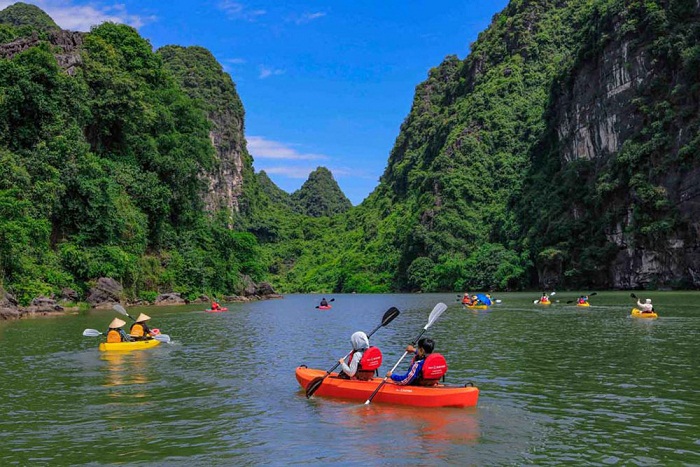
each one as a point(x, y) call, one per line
point(583, 299)
point(545, 298)
point(426, 367)
point(467, 300)
point(215, 306)
point(364, 359)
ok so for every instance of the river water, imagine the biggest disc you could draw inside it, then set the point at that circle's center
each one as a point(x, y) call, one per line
point(559, 384)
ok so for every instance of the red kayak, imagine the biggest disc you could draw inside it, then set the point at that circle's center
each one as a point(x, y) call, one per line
point(327, 307)
point(418, 396)
point(219, 310)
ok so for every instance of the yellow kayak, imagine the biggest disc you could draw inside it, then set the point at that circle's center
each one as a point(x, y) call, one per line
point(127, 346)
point(544, 303)
point(477, 307)
point(639, 314)
point(583, 304)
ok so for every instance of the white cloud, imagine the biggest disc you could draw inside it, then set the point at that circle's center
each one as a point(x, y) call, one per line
point(81, 17)
point(291, 172)
point(235, 61)
point(308, 17)
point(266, 72)
point(236, 10)
point(262, 148)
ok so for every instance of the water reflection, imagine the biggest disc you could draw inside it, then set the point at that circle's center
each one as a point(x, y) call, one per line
point(125, 368)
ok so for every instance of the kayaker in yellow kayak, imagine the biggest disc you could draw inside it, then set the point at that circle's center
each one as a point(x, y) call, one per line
point(116, 333)
point(582, 300)
point(646, 307)
point(139, 330)
point(544, 298)
point(363, 360)
point(426, 367)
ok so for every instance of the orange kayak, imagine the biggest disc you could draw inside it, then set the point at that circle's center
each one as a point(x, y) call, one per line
point(417, 396)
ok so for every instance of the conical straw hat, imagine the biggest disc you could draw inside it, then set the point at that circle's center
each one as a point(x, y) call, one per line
point(117, 323)
point(142, 317)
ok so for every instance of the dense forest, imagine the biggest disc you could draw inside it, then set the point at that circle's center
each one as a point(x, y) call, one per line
point(562, 152)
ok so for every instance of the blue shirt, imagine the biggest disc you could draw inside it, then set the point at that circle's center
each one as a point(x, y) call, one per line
point(411, 375)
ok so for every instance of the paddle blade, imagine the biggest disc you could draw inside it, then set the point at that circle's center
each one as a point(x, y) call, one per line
point(553, 293)
point(594, 293)
point(120, 309)
point(332, 300)
point(162, 338)
point(313, 386)
point(435, 314)
point(91, 333)
point(390, 315)
point(499, 301)
point(535, 302)
point(569, 301)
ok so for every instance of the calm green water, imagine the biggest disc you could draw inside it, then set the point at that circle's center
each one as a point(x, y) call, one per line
point(558, 385)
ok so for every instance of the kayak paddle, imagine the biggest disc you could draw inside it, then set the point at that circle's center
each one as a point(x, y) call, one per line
point(434, 315)
point(154, 332)
point(95, 333)
point(120, 309)
point(331, 300)
point(388, 317)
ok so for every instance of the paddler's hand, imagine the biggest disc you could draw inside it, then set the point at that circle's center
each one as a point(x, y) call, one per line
point(410, 349)
point(342, 360)
point(388, 374)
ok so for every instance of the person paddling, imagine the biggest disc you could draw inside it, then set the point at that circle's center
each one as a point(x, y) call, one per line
point(139, 330)
point(215, 305)
point(324, 302)
point(646, 307)
point(545, 298)
point(363, 361)
point(116, 333)
point(583, 299)
point(426, 367)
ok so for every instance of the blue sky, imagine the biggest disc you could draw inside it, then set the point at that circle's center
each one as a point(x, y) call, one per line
point(323, 83)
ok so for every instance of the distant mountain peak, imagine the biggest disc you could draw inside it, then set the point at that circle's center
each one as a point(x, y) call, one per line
point(320, 195)
point(23, 14)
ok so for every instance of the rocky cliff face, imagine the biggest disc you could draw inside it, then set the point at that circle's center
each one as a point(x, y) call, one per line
point(611, 106)
point(203, 78)
point(67, 48)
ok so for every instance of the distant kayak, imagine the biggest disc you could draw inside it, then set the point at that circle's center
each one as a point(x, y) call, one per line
point(477, 307)
point(544, 303)
point(326, 307)
point(639, 314)
point(583, 304)
point(128, 346)
point(218, 310)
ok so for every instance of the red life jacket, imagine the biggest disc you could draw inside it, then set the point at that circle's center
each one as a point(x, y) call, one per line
point(434, 368)
point(371, 361)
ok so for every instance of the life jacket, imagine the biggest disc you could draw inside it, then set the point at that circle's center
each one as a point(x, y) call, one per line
point(113, 335)
point(434, 368)
point(582, 300)
point(137, 330)
point(370, 362)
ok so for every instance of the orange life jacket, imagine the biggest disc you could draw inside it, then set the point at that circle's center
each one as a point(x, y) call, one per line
point(113, 335)
point(137, 330)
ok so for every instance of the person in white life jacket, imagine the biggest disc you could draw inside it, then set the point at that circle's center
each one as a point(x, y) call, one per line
point(646, 307)
point(364, 359)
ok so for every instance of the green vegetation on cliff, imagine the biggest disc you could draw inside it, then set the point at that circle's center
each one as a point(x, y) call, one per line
point(101, 177)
